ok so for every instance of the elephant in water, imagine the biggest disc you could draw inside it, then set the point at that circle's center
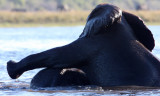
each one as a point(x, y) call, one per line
point(114, 49)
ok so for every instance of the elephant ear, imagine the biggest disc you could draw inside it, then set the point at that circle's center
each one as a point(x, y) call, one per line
point(102, 17)
point(142, 33)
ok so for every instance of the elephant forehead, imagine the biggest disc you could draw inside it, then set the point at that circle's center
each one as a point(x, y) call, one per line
point(103, 10)
point(100, 19)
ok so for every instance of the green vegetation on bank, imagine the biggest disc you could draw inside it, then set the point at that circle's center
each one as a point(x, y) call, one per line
point(54, 5)
point(68, 18)
point(42, 18)
point(149, 17)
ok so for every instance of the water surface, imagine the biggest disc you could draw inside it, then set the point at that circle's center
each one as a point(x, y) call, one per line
point(17, 43)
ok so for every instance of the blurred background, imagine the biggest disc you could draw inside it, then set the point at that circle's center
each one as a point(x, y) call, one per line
point(68, 12)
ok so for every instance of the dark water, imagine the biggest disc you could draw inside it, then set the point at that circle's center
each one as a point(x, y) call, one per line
point(17, 43)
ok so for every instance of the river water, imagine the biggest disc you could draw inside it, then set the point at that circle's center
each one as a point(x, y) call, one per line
point(17, 43)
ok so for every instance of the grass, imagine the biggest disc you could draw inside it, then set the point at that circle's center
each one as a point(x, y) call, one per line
point(42, 18)
point(150, 17)
point(40, 25)
point(71, 18)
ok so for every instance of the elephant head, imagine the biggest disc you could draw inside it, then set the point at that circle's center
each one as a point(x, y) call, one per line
point(105, 15)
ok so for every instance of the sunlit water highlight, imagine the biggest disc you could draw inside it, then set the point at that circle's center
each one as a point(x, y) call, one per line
point(17, 43)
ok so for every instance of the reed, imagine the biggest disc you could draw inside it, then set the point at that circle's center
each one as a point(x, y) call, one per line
point(46, 18)
point(150, 17)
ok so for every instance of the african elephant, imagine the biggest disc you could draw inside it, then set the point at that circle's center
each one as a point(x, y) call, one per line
point(114, 49)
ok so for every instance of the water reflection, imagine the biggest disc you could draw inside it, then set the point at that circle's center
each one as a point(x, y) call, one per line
point(22, 89)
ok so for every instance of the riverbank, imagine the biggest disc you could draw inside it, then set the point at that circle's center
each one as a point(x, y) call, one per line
point(70, 18)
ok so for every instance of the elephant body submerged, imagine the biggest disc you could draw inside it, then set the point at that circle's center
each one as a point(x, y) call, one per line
point(113, 50)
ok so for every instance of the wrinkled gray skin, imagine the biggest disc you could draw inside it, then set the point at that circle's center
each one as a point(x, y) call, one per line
point(113, 50)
